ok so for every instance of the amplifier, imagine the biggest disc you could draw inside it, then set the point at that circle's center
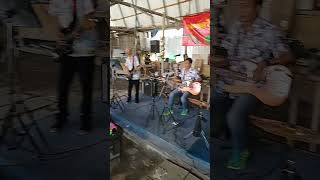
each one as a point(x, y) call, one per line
point(155, 46)
point(151, 88)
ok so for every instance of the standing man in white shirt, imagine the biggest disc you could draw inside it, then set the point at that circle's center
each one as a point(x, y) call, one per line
point(75, 22)
point(133, 66)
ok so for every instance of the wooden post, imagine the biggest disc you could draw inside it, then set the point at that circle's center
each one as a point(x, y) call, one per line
point(135, 29)
point(163, 43)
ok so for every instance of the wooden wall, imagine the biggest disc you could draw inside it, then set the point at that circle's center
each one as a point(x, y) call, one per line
point(307, 30)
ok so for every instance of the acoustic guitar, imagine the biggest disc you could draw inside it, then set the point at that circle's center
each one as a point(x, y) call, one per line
point(130, 73)
point(273, 92)
point(194, 89)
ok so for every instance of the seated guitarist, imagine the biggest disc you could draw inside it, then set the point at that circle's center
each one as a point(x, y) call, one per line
point(133, 66)
point(251, 38)
point(186, 77)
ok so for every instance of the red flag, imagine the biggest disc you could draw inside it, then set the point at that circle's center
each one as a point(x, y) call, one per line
point(196, 30)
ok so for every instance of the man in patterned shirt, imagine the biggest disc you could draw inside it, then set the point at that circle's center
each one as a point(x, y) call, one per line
point(187, 76)
point(254, 41)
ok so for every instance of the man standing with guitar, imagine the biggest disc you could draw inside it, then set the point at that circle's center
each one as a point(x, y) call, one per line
point(251, 41)
point(133, 68)
point(188, 77)
point(76, 47)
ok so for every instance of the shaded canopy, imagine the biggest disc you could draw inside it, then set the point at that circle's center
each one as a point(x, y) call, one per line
point(123, 13)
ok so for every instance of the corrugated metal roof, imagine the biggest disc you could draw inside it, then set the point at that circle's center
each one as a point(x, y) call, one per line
point(125, 16)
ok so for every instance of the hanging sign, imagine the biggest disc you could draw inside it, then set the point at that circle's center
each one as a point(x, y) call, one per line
point(196, 29)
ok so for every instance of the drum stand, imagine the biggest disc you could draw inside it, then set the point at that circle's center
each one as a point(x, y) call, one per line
point(197, 130)
point(17, 104)
point(153, 112)
point(171, 116)
point(154, 108)
point(165, 84)
point(116, 99)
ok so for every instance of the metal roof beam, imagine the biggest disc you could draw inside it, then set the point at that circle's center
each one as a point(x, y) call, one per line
point(179, 7)
point(152, 18)
point(135, 13)
point(165, 9)
point(145, 10)
point(131, 30)
point(156, 9)
point(197, 6)
point(124, 21)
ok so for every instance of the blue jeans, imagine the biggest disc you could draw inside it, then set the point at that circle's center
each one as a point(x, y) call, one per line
point(183, 97)
point(231, 116)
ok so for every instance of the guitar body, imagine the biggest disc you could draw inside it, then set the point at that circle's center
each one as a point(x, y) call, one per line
point(194, 90)
point(273, 92)
point(130, 73)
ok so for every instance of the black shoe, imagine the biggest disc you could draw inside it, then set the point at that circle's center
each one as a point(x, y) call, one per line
point(59, 123)
point(136, 101)
point(128, 100)
point(85, 129)
point(57, 126)
point(86, 125)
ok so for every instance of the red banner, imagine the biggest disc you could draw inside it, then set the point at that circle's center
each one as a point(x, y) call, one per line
point(196, 30)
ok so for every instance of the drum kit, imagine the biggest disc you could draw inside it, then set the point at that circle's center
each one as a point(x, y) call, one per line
point(155, 79)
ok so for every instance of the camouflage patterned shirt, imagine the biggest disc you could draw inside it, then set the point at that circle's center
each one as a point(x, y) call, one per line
point(246, 49)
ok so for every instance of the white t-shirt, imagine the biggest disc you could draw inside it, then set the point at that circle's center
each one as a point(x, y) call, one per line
point(63, 10)
point(133, 62)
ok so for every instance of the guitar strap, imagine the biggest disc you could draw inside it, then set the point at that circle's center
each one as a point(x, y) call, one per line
point(74, 19)
point(74, 13)
point(132, 61)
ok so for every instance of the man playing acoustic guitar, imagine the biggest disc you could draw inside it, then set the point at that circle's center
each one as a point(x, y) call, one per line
point(187, 77)
point(77, 41)
point(252, 40)
point(133, 67)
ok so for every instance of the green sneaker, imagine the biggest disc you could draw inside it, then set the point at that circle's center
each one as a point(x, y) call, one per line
point(168, 112)
point(239, 160)
point(184, 112)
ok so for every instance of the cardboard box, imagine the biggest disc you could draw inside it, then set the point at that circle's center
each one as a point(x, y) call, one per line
point(198, 64)
point(307, 30)
point(206, 70)
point(283, 13)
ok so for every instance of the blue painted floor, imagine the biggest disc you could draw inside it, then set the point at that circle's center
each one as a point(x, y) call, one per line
point(192, 150)
point(87, 164)
point(266, 162)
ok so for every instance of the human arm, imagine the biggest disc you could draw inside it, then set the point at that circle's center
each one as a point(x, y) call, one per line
point(281, 55)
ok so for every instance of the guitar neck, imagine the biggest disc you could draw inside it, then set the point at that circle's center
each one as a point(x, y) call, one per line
point(231, 74)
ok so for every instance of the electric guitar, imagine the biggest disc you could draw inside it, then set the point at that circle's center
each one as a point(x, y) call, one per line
point(68, 38)
point(273, 92)
point(130, 73)
point(194, 89)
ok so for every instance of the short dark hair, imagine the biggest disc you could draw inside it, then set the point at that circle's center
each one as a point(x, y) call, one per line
point(189, 59)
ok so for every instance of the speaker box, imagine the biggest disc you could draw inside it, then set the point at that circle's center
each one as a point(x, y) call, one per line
point(155, 46)
point(151, 88)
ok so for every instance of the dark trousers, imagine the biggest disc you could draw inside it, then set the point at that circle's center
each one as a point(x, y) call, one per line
point(85, 67)
point(183, 97)
point(132, 83)
point(231, 116)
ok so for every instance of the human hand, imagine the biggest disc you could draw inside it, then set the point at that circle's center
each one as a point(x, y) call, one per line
point(258, 74)
point(61, 39)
